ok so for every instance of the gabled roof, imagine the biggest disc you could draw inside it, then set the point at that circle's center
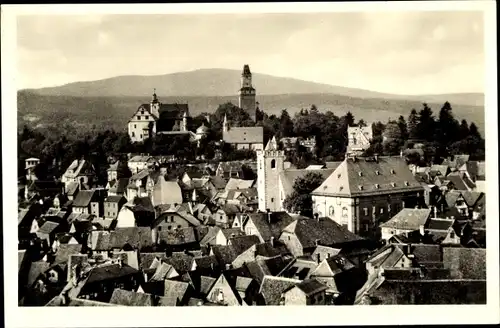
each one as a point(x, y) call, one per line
point(408, 219)
point(324, 231)
point(288, 177)
point(36, 269)
point(244, 135)
point(110, 271)
point(130, 298)
point(64, 252)
point(241, 243)
point(234, 184)
point(83, 198)
point(48, 227)
point(225, 254)
point(458, 182)
point(471, 197)
point(71, 188)
point(162, 272)
point(452, 197)
point(218, 182)
point(120, 186)
point(442, 170)
point(272, 288)
point(114, 199)
point(206, 284)
point(175, 291)
point(311, 287)
point(137, 237)
point(182, 262)
point(273, 228)
point(177, 236)
point(364, 176)
point(439, 224)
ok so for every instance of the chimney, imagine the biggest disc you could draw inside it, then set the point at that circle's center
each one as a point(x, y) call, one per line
point(316, 242)
point(316, 216)
point(422, 230)
point(435, 212)
point(376, 158)
point(272, 241)
point(212, 267)
point(269, 216)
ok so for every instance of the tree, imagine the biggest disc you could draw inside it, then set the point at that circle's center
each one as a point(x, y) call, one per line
point(412, 126)
point(464, 130)
point(426, 124)
point(473, 131)
point(286, 124)
point(447, 127)
point(248, 173)
point(300, 201)
point(403, 127)
point(123, 171)
point(362, 123)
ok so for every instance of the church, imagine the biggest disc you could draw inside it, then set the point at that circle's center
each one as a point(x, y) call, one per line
point(157, 118)
point(245, 137)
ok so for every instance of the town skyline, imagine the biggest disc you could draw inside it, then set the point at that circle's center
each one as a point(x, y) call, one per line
point(428, 47)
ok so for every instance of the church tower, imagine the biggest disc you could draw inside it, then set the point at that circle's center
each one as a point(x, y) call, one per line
point(270, 162)
point(247, 93)
point(155, 105)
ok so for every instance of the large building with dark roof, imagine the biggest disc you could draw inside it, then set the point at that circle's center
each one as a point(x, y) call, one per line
point(362, 193)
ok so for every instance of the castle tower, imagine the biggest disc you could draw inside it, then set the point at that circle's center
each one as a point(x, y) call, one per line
point(270, 162)
point(155, 105)
point(247, 93)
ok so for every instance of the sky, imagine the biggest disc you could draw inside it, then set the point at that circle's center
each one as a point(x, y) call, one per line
point(393, 52)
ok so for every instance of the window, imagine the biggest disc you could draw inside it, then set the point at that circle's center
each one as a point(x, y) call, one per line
point(169, 227)
point(331, 211)
point(159, 228)
point(452, 234)
point(108, 213)
point(273, 164)
point(365, 210)
point(381, 210)
point(179, 226)
point(147, 117)
point(344, 212)
point(288, 237)
point(139, 118)
point(272, 200)
point(140, 136)
point(142, 112)
point(133, 134)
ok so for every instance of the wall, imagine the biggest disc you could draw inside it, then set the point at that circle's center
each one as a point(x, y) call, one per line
point(95, 209)
point(362, 215)
point(171, 221)
point(111, 210)
point(245, 257)
point(222, 284)
point(125, 218)
point(295, 297)
point(137, 123)
point(220, 239)
point(387, 232)
point(80, 210)
point(250, 229)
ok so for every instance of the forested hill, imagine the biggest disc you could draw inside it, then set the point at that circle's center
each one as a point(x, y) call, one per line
point(113, 112)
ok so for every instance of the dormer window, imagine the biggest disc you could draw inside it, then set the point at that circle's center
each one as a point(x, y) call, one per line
point(377, 172)
point(407, 183)
point(142, 112)
point(377, 186)
point(341, 188)
point(393, 184)
point(392, 171)
point(360, 174)
point(360, 187)
point(139, 118)
point(338, 176)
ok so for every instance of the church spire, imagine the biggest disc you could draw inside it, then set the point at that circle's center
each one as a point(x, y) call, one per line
point(272, 144)
point(155, 98)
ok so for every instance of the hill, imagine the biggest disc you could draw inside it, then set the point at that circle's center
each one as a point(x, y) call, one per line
point(225, 83)
point(113, 112)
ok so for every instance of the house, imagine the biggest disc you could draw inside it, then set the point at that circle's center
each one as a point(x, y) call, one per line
point(321, 253)
point(39, 189)
point(243, 137)
point(272, 289)
point(112, 206)
point(170, 217)
point(405, 221)
point(224, 235)
point(455, 199)
point(303, 235)
point(308, 292)
point(224, 292)
point(206, 265)
point(88, 202)
point(47, 232)
point(140, 185)
point(358, 139)
point(131, 298)
point(166, 192)
point(290, 143)
point(101, 281)
point(113, 171)
point(267, 226)
point(176, 293)
point(137, 213)
point(339, 275)
point(27, 223)
point(80, 171)
point(442, 231)
point(30, 164)
point(362, 192)
point(225, 215)
point(236, 169)
point(117, 187)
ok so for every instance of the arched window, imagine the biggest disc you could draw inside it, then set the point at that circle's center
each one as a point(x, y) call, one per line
point(273, 164)
point(331, 211)
point(344, 212)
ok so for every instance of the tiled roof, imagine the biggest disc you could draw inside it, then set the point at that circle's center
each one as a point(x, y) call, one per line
point(363, 177)
point(175, 291)
point(323, 230)
point(36, 269)
point(147, 259)
point(471, 197)
point(162, 272)
point(225, 254)
point(439, 224)
point(408, 219)
point(218, 182)
point(232, 232)
point(205, 263)
point(234, 184)
point(457, 181)
point(64, 251)
point(288, 177)
point(339, 263)
point(452, 197)
point(84, 302)
point(114, 199)
point(177, 236)
point(466, 263)
point(241, 242)
point(71, 188)
point(137, 237)
point(110, 271)
point(272, 288)
point(47, 228)
point(139, 158)
point(206, 284)
point(311, 286)
point(83, 198)
point(167, 192)
point(129, 298)
point(182, 262)
point(120, 186)
point(278, 221)
point(245, 135)
point(441, 169)
point(267, 250)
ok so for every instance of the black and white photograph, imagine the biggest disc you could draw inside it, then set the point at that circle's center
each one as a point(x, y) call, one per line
point(250, 158)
